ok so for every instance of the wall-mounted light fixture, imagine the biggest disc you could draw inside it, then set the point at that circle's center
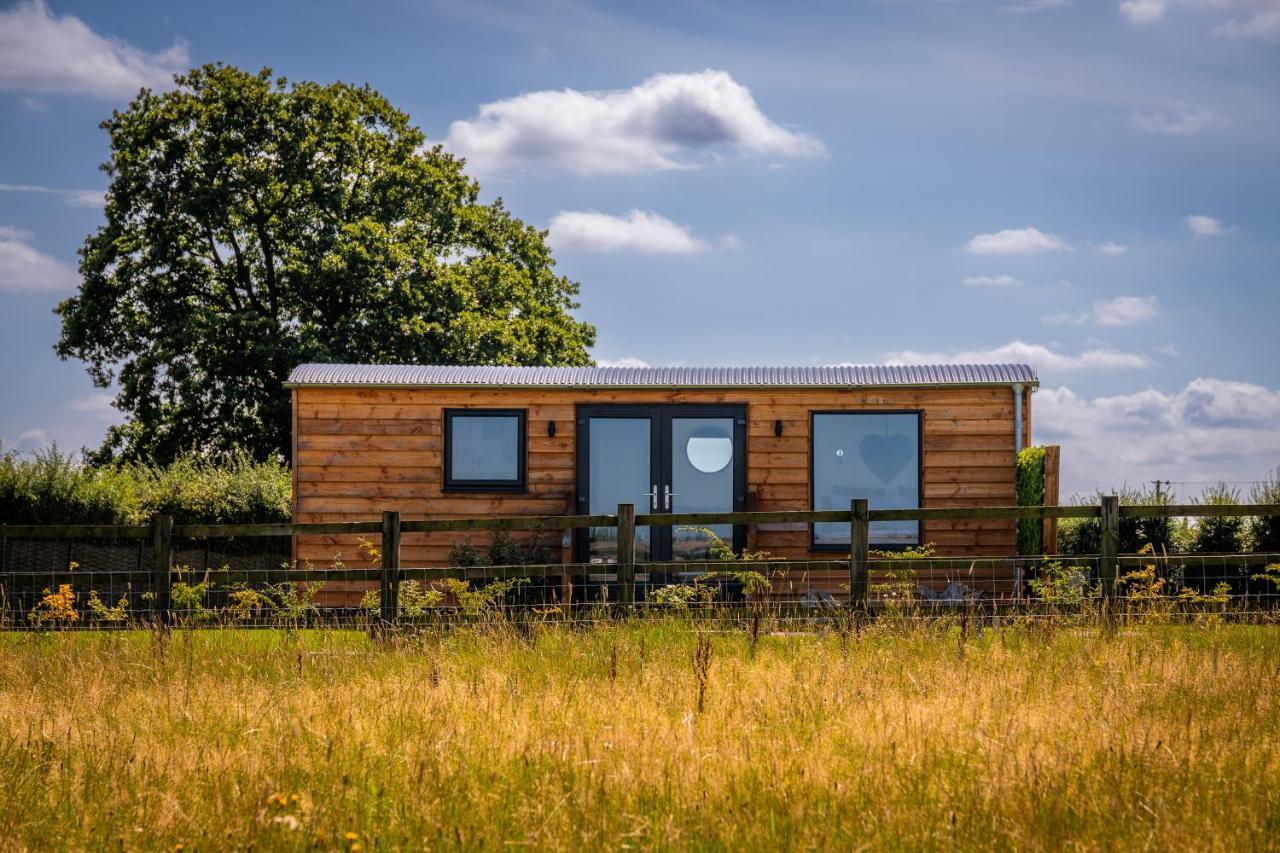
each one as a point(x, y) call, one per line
point(551, 428)
point(777, 429)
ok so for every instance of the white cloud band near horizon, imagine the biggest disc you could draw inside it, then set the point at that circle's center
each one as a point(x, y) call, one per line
point(1037, 355)
point(668, 121)
point(48, 54)
point(1210, 430)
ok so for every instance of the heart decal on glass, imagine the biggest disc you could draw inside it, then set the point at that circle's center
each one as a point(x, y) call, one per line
point(886, 455)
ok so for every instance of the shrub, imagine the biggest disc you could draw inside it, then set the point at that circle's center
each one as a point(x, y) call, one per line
point(1030, 488)
point(1217, 535)
point(1264, 531)
point(51, 487)
point(1084, 535)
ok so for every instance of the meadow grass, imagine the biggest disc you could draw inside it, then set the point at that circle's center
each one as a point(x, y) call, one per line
point(898, 736)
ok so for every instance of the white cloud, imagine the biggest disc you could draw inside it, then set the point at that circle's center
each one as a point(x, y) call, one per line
point(1211, 429)
point(75, 198)
point(1066, 318)
point(1124, 310)
point(1038, 6)
point(638, 231)
point(1016, 241)
point(1110, 248)
point(1205, 226)
point(1023, 352)
point(43, 53)
point(1002, 280)
point(1120, 311)
point(32, 439)
point(22, 267)
point(99, 404)
point(1259, 19)
point(625, 361)
point(1180, 120)
point(662, 123)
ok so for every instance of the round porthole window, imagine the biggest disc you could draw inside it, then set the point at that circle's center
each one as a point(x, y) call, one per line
point(709, 453)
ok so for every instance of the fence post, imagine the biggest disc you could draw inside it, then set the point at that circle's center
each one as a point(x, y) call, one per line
point(390, 591)
point(626, 555)
point(162, 568)
point(1109, 552)
point(859, 552)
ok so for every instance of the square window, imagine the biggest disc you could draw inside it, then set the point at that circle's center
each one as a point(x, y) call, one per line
point(872, 455)
point(484, 450)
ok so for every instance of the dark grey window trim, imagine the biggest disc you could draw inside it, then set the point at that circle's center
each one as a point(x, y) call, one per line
point(919, 413)
point(520, 484)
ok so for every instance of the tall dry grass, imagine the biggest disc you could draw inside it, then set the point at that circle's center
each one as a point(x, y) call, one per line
point(1149, 737)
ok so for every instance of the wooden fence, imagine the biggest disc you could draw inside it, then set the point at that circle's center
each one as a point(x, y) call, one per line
point(162, 532)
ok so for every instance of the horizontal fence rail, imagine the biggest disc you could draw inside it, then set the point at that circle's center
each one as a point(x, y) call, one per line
point(149, 572)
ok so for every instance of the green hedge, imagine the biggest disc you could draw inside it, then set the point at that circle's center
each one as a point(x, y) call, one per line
point(51, 487)
point(1030, 487)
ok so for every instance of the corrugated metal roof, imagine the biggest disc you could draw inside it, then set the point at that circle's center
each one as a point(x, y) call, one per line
point(405, 375)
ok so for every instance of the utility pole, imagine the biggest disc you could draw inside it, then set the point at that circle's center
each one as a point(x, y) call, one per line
point(1157, 484)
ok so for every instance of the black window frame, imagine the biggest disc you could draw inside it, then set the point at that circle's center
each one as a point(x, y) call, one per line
point(814, 546)
point(520, 484)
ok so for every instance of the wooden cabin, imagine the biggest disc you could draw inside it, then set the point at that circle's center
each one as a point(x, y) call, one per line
point(441, 442)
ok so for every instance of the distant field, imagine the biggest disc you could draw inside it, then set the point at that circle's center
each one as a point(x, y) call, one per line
point(1153, 737)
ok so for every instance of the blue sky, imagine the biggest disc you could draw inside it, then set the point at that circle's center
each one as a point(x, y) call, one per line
point(1088, 186)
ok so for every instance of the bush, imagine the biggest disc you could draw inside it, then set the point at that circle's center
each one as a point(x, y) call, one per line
point(51, 487)
point(1030, 489)
point(1264, 532)
point(1214, 535)
point(1078, 536)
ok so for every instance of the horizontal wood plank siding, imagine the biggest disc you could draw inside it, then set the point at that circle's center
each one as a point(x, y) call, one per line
point(360, 451)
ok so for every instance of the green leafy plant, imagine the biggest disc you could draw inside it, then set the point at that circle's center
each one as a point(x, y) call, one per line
point(1264, 531)
point(1030, 492)
point(102, 612)
point(477, 601)
point(1061, 586)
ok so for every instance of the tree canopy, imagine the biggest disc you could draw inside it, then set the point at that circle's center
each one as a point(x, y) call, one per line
point(253, 224)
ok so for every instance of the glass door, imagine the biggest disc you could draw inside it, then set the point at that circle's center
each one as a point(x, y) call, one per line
point(701, 452)
point(620, 465)
point(662, 458)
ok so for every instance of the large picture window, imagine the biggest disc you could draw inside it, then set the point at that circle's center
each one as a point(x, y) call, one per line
point(484, 450)
point(872, 455)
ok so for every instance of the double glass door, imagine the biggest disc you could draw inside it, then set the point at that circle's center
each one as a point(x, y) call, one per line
point(661, 459)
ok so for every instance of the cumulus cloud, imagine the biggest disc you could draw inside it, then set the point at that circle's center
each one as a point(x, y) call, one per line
point(32, 439)
point(1110, 248)
point(1001, 280)
point(75, 198)
point(625, 361)
point(40, 52)
point(98, 404)
point(1120, 311)
point(666, 122)
point(1016, 241)
point(1256, 19)
point(637, 231)
point(1180, 120)
point(1124, 310)
point(1035, 354)
point(1205, 226)
point(22, 267)
point(1211, 429)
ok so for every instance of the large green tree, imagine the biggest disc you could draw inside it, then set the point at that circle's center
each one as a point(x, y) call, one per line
point(253, 224)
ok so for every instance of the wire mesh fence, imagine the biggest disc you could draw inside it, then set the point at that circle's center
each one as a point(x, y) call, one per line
point(240, 582)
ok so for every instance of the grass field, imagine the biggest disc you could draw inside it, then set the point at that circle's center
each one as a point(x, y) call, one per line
point(1023, 737)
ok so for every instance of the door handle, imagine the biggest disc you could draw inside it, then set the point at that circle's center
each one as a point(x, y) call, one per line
point(667, 495)
point(652, 495)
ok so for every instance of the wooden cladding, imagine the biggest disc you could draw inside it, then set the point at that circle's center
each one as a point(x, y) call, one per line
point(360, 451)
